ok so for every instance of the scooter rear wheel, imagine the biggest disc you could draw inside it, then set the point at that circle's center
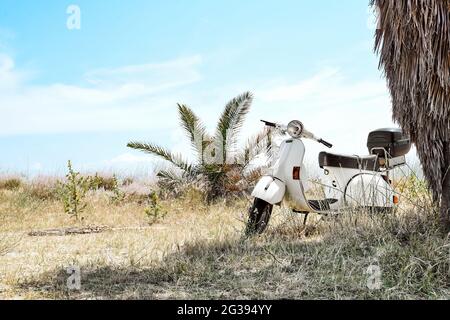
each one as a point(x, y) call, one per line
point(259, 216)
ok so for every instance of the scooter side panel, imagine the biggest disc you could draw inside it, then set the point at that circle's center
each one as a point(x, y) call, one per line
point(270, 190)
point(336, 182)
point(369, 190)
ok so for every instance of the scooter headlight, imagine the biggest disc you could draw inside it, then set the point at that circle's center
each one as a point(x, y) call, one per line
point(295, 129)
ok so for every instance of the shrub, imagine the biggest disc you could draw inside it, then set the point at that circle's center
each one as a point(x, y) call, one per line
point(226, 173)
point(127, 181)
point(414, 190)
point(117, 196)
point(73, 192)
point(136, 192)
point(43, 189)
point(11, 183)
point(155, 212)
point(107, 183)
point(8, 242)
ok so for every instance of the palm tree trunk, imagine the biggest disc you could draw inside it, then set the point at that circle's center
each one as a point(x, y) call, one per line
point(445, 202)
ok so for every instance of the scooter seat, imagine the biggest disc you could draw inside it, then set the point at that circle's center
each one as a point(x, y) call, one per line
point(369, 163)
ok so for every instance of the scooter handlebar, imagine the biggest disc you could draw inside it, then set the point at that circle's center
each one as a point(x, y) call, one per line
point(269, 124)
point(306, 133)
point(325, 143)
point(311, 136)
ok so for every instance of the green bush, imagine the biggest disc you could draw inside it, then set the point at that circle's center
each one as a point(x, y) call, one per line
point(73, 192)
point(117, 196)
point(107, 183)
point(219, 169)
point(155, 212)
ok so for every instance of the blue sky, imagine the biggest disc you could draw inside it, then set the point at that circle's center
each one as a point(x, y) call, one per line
point(82, 94)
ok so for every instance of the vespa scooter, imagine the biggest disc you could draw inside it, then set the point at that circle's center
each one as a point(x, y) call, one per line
point(349, 181)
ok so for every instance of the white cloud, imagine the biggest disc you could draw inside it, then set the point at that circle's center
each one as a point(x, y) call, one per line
point(300, 90)
point(131, 97)
point(135, 97)
point(9, 78)
point(340, 110)
point(125, 164)
point(176, 72)
point(6, 64)
point(128, 158)
point(37, 166)
point(327, 86)
point(334, 107)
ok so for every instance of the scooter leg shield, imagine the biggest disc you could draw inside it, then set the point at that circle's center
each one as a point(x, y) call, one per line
point(270, 190)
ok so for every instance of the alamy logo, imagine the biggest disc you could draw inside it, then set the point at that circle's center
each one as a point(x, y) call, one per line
point(374, 277)
point(374, 273)
point(224, 150)
point(74, 279)
point(74, 19)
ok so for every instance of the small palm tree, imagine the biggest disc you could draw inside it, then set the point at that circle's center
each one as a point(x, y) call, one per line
point(219, 165)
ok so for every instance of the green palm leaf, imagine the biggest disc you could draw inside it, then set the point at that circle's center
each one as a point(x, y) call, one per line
point(194, 128)
point(169, 175)
point(212, 176)
point(231, 121)
point(170, 178)
point(162, 153)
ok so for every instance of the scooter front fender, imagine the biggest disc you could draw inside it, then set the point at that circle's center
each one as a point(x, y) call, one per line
point(270, 190)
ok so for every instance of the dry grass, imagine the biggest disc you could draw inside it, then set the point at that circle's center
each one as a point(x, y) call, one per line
point(10, 183)
point(198, 251)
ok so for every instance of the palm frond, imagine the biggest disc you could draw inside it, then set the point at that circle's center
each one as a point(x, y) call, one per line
point(231, 121)
point(169, 175)
point(162, 153)
point(413, 42)
point(194, 128)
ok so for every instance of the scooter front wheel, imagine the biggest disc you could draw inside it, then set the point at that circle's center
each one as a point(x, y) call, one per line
point(259, 216)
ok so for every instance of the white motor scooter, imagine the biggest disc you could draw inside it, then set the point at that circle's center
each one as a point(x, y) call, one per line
point(350, 181)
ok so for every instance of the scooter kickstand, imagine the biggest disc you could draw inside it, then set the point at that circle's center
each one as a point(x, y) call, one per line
point(305, 219)
point(303, 212)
